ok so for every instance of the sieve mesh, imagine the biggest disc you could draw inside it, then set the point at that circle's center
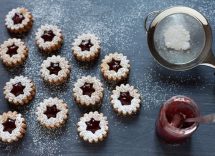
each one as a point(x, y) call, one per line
point(197, 39)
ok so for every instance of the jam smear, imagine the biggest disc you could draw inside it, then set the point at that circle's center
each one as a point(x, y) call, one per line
point(12, 50)
point(85, 45)
point(54, 68)
point(51, 111)
point(17, 89)
point(93, 125)
point(178, 120)
point(88, 89)
point(125, 98)
point(18, 18)
point(114, 65)
point(177, 113)
point(9, 125)
point(48, 36)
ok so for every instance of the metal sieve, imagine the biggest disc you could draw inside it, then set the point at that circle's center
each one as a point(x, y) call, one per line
point(196, 24)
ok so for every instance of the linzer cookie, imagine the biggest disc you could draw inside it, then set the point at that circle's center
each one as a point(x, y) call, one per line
point(52, 113)
point(12, 127)
point(93, 127)
point(13, 52)
point(125, 100)
point(55, 70)
point(20, 90)
point(115, 67)
point(86, 47)
point(19, 20)
point(88, 92)
point(49, 38)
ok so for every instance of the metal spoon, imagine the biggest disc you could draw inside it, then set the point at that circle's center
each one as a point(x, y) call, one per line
point(210, 118)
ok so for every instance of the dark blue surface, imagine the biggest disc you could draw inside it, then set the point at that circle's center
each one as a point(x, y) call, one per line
point(119, 24)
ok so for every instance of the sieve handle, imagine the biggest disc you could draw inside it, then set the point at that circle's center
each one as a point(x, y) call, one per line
point(210, 60)
point(153, 13)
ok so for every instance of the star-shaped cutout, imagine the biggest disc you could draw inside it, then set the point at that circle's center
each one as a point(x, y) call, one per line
point(48, 36)
point(18, 18)
point(125, 98)
point(54, 68)
point(114, 65)
point(17, 89)
point(51, 111)
point(9, 125)
point(12, 50)
point(93, 125)
point(88, 89)
point(85, 45)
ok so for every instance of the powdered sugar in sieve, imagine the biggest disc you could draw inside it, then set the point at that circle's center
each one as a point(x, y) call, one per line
point(177, 37)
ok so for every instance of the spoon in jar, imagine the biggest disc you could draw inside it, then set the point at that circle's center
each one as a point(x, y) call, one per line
point(210, 118)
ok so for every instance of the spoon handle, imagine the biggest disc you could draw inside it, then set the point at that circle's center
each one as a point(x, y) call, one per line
point(203, 119)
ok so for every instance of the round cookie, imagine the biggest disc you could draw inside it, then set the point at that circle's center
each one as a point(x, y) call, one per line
point(55, 70)
point(52, 113)
point(125, 100)
point(86, 47)
point(19, 20)
point(19, 91)
point(12, 127)
point(115, 67)
point(93, 127)
point(49, 38)
point(13, 52)
point(88, 92)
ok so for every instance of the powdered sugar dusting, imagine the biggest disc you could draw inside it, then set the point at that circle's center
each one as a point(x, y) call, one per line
point(119, 26)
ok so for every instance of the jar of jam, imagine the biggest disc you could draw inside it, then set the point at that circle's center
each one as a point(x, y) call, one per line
point(171, 125)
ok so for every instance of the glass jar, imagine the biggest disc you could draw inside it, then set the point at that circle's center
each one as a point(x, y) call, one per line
point(170, 124)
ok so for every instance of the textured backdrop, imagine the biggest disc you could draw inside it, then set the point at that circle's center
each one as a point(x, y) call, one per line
point(119, 25)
